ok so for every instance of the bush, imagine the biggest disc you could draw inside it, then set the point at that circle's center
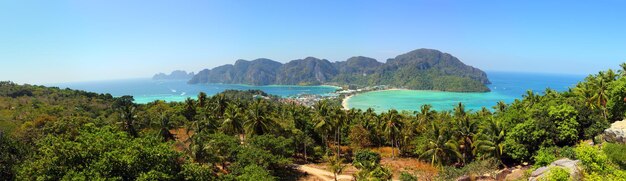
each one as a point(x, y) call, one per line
point(366, 160)
point(544, 157)
point(481, 167)
point(592, 159)
point(101, 153)
point(405, 176)
point(254, 172)
point(616, 153)
point(557, 174)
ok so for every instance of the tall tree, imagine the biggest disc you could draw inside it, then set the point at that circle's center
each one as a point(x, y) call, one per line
point(233, 120)
point(260, 119)
point(392, 127)
point(126, 107)
point(441, 146)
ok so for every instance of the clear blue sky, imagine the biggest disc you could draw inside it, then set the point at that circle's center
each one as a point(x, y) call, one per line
point(61, 41)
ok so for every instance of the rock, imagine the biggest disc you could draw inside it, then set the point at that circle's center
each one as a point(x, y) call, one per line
point(501, 175)
point(570, 165)
point(464, 178)
point(516, 174)
point(616, 133)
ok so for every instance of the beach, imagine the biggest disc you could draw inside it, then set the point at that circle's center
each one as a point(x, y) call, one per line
point(344, 102)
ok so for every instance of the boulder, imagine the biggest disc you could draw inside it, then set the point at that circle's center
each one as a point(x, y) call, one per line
point(571, 165)
point(616, 133)
point(516, 174)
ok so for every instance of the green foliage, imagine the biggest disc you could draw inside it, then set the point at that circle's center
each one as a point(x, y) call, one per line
point(10, 154)
point(616, 153)
point(557, 174)
point(254, 172)
point(369, 164)
point(593, 159)
point(405, 176)
point(476, 168)
point(233, 130)
point(100, 153)
point(366, 160)
point(544, 157)
point(279, 146)
point(197, 171)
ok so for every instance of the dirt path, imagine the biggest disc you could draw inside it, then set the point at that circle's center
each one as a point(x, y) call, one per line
point(322, 174)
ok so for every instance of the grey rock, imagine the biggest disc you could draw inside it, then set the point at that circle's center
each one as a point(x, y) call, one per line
point(571, 165)
point(616, 133)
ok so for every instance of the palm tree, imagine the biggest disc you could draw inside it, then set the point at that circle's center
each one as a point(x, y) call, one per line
point(165, 127)
point(323, 119)
point(530, 98)
point(260, 120)
point(392, 127)
point(202, 99)
point(219, 104)
point(465, 128)
point(233, 120)
point(491, 139)
point(190, 110)
point(500, 107)
point(441, 146)
point(424, 116)
point(127, 108)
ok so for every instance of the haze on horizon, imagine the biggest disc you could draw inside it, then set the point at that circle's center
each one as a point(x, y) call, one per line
point(65, 41)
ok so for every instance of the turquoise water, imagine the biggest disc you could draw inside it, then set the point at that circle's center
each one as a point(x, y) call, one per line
point(505, 86)
point(147, 90)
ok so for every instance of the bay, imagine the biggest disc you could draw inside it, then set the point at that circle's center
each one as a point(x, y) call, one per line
point(506, 86)
point(148, 90)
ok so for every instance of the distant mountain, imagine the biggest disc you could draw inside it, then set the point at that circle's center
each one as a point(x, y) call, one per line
point(175, 75)
point(256, 72)
point(423, 69)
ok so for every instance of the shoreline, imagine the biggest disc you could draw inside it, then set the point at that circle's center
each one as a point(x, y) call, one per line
point(344, 101)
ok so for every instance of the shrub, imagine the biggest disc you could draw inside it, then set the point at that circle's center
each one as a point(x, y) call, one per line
point(544, 157)
point(547, 155)
point(592, 159)
point(254, 172)
point(405, 176)
point(616, 153)
point(366, 160)
point(557, 174)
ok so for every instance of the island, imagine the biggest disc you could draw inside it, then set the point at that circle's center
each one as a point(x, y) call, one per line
point(175, 75)
point(421, 69)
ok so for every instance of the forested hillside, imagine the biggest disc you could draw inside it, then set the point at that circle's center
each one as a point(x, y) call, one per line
point(58, 134)
point(423, 69)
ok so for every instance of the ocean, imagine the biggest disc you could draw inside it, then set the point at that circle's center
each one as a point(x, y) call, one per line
point(148, 90)
point(505, 86)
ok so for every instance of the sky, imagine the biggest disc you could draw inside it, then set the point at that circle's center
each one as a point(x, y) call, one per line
point(68, 41)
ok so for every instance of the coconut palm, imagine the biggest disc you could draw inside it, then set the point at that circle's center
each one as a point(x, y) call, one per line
point(441, 146)
point(259, 118)
point(233, 120)
point(491, 139)
point(219, 102)
point(465, 130)
point(202, 99)
point(323, 119)
point(423, 117)
point(392, 127)
point(165, 127)
point(127, 108)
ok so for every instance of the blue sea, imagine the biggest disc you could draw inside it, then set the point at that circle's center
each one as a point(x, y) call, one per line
point(148, 90)
point(505, 86)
